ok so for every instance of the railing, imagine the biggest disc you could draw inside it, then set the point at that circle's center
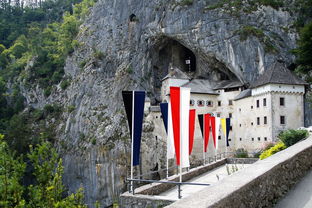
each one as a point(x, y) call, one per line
point(179, 184)
point(139, 178)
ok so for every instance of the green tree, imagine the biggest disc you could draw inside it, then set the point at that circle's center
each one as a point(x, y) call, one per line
point(11, 173)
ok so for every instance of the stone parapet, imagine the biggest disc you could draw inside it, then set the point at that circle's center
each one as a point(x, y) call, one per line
point(259, 185)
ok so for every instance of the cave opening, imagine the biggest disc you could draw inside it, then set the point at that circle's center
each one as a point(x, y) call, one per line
point(170, 54)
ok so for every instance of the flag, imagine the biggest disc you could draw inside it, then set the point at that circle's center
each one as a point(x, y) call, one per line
point(228, 127)
point(191, 130)
point(217, 128)
point(134, 106)
point(213, 130)
point(167, 119)
point(223, 125)
point(180, 98)
point(164, 113)
point(201, 123)
point(206, 130)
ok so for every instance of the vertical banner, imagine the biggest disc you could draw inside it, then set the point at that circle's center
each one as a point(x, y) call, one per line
point(223, 126)
point(201, 123)
point(164, 113)
point(185, 97)
point(134, 105)
point(206, 130)
point(191, 130)
point(175, 111)
point(217, 128)
point(213, 130)
point(180, 106)
point(167, 119)
point(228, 127)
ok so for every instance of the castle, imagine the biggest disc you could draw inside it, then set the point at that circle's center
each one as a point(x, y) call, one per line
point(273, 103)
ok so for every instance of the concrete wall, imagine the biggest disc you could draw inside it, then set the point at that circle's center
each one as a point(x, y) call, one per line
point(259, 185)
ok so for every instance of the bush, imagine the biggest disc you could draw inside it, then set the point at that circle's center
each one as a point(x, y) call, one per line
point(291, 137)
point(186, 2)
point(276, 148)
point(241, 153)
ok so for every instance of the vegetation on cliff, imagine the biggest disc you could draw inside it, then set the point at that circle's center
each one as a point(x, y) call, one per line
point(45, 168)
point(34, 55)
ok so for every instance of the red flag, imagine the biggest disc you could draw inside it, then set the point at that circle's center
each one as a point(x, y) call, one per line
point(207, 130)
point(213, 129)
point(175, 110)
point(191, 130)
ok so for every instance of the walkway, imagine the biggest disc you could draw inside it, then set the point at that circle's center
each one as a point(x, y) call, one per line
point(299, 196)
point(210, 177)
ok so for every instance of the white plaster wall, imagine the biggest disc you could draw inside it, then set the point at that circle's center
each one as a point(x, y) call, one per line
point(277, 88)
point(293, 110)
point(245, 123)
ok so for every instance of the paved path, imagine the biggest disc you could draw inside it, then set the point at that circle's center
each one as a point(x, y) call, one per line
point(300, 196)
point(210, 177)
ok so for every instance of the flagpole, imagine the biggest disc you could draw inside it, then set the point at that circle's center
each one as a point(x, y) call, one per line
point(167, 174)
point(131, 183)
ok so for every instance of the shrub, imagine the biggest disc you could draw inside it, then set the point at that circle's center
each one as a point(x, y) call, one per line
point(276, 148)
point(241, 153)
point(47, 91)
point(71, 108)
point(186, 2)
point(291, 137)
point(64, 84)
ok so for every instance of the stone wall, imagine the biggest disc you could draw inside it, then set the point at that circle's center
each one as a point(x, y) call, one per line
point(259, 185)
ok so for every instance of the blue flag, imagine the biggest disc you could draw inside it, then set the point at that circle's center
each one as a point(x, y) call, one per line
point(164, 113)
point(228, 126)
point(134, 105)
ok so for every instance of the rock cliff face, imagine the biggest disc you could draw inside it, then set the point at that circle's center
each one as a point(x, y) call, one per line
point(127, 45)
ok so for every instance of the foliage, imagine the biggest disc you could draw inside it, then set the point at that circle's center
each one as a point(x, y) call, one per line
point(47, 189)
point(247, 31)
point(11, 172)
point(186, 2)
point(291, 137)
point(276, 148)
point(241, 153)
point(71, 108)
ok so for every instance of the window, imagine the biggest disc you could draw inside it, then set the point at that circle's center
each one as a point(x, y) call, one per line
point(258, 103)
point(240, 125)
point(252, 139)
point(282, 120)
point(200, 103)
point(258, 120)
point(282, 101)
point(259, 139)
point(218, 114)
point(219, 103)
point(231, 128)
point(251, 107)
point(252, 123)
point(265, 139)
point(264, 101)
point(219, 137)
point(230, 115)
point(230, 102)
point(230, 140)
point(265, 121)
point(192, 102)
point(240, 110)
point(240, 139)
point(209, 103)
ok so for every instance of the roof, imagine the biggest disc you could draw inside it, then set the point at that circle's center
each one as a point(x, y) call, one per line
point(176, 74)
point(243, 94)
point(278, 74)
point(228, 84)
point(201, 86)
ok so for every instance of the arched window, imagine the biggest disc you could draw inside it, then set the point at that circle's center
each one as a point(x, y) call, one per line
point(192, 102)
point(209, 103)
point(200, 103)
